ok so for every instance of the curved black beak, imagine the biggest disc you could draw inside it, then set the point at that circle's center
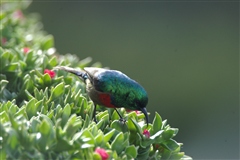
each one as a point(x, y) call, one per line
point(144, 110)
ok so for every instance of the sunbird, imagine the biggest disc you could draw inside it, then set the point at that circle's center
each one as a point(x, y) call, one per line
point(112, 89)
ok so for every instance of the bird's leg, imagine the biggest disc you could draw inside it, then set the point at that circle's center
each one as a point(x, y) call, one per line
point(121, 118)
point(94, 113)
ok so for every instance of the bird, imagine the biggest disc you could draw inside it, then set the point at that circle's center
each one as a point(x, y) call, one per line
point(111, 89)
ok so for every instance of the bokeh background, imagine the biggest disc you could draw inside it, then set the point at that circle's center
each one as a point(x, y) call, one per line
point(185, 54)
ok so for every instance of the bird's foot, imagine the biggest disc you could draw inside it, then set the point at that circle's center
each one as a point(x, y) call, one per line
point(95, 120)
point(123, 120)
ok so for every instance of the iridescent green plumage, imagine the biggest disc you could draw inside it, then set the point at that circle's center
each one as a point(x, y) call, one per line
point(124, 91)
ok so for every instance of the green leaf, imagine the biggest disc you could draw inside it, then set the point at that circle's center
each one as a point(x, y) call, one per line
point(37, 73)
point(157, 123)
point(157, 134)
point(57, 91)
point(119, 125)
point(99, 139)
point(12, 141)
point(164, 123)
point(45, 61)
point(178, 155)
point(67, 111)
point(48, 42)
point(171, 144)
point(105, 120)
point(87, 138)
point(94, 130)
point(53, 61)
point(62, 145)
point(29, 95)
point(109, 135)
point(38, 94)
point(13, 109)
point(139, 129)
point(47, 79)
point(31, 108)
point(117, 143)
point(131, 151)
point(4, 60)
point(99, 123)
point(131, 125)
point(86, 122)
point(114, 116)
point(45, 128)
point(143, 153)
point(169, 133)
point(3, 154)
point(72, 125)
point(29, 59)
point(22, 65)
point(11, 67)
point(28, 84)
point(3, 84)
point(186, 157)
point(35, 123)
point(97, 156)
point(83, 63)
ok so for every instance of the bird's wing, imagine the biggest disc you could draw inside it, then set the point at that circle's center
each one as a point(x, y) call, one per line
point(114, 83)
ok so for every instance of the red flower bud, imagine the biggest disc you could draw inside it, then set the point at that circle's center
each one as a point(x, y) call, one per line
point(128, 110)
point(102, 153)
point(4, 41)
point(18, 14)
point(25, 50)
point(146, 133)
point(138, 112)
point(50, 72)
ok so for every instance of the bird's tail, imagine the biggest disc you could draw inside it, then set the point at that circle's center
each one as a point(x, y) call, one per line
point(80, 73)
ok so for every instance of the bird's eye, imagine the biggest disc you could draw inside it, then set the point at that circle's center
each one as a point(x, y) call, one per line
point(85, 76)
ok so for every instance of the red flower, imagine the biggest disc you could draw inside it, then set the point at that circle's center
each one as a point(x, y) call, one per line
point(50, 72)
point(102, 153)
point(25, 50)
point(138, 112)
point(146, 133)
point(157, 146)
point(18, 14)
point(128, 110)
point(4, 41)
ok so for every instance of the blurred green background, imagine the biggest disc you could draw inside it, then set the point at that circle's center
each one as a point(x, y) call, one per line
point(185, 54)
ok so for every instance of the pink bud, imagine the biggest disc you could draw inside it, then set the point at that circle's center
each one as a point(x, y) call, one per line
point(18, 14)
point(138, 112)
point(50, 72)
point(102, 153)
point(146, 133)
point(4, 40)
point(128, 110)
point(25, 50)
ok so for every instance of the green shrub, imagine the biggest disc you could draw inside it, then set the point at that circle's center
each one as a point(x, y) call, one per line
point(44, 115)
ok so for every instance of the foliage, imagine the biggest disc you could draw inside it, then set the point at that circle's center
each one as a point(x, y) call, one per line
point(47, 115)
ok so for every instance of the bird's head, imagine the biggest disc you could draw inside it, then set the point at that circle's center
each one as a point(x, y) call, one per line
point(140, 103)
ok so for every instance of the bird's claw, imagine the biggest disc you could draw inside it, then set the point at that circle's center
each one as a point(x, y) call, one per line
point(95, 120)
point(122, 120)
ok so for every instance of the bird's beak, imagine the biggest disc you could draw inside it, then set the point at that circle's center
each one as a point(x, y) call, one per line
point(68, 69)
point(76, 72)
point(144, 110)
